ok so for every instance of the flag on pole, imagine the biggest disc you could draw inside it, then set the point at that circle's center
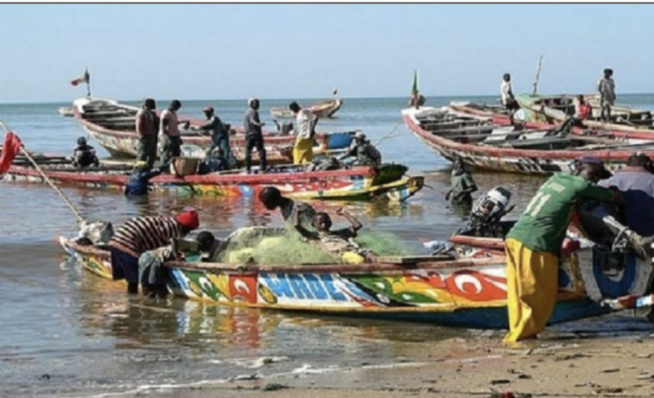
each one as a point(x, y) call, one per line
point(9, 151)
point(85, 78)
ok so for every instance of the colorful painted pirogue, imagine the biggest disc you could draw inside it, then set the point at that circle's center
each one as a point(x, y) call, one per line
point(353, 183)
point(112, 125)
point(483, 143)
point(625, 121)
point(322, 109)
point(469, 292)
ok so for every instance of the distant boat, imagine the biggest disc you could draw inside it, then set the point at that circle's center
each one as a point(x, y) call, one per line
point(322, 109)
point(66, 111)
point(112, 125)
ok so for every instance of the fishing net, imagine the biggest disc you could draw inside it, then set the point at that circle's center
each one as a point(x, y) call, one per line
point(384, 243)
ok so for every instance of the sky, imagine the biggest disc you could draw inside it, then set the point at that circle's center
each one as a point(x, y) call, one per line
point(236, 51)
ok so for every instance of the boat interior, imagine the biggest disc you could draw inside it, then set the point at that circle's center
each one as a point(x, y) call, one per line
point(619, 114)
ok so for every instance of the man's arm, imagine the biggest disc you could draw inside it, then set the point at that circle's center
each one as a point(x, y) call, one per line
point(140, 124)
point(303, 231)
point(355, 224)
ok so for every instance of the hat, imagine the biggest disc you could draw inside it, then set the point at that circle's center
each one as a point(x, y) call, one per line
point(359, 135)
point(189, 219)
point(208, 108)
point(141, 164)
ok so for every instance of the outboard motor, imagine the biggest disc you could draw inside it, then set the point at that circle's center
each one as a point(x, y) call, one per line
point(487, 211)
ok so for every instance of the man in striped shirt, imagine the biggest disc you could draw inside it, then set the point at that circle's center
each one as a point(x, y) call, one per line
point(141, 234)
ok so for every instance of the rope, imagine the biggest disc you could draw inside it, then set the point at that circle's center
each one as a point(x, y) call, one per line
point(388, 135)
point(46, 178)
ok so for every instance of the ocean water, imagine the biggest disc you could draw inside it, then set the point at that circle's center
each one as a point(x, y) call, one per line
point(67, 333)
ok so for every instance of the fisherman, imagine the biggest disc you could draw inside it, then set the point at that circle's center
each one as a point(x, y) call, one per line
point(507, 98)
point(339, 243)
point(272, 199)
point(147, 124)
point(463, 186)
point(363, 151)
point(606, 89)
point(84, 154)
point(534, 243)
point(138, 181)
point(583, 110)
point(254, 136)
point(305, 124)
point(169, 137)
point(141, 234)
point(215, 161)
point(219, 135)
point(153, 276)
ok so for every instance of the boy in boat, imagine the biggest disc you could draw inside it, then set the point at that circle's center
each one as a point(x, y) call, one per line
point(507, 98)
point(254, 136)
point(84, 154)
point(606, 89)
point(214, 162)
point(364, 152)
point(147, 123)
point(144, 233)
point(219, 135)
point(463, 186)
point(272, 199)
point(154, 277)
point(138, 181)
point(339, 243)
point(533, 245)
point(305, 124)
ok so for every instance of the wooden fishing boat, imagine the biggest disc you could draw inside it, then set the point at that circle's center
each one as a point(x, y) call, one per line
point(296, 181)
point(483, 143)
point(322, 109)
point(625, 121)
point(111, 124)
point(468, 292)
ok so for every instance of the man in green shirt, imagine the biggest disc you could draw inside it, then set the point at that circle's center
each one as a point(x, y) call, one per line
point(534, 243)
point(463, 186)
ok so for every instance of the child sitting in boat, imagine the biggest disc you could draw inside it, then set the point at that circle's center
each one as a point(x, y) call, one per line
point(137, 183)
point(154, 277)
point(340, 242)
point(84, 154)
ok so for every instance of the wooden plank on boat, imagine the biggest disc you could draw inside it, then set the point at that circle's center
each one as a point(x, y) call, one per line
point(412, 259)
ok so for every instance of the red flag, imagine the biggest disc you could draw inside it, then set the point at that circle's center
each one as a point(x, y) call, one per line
point(9, 151)
point(85, 78)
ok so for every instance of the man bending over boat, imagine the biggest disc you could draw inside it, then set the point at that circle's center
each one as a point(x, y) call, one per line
point(533, 245)
point(363, 151)
point(219, 135)
point(84, 154)
point(339, 243)
point(144, 233)
point(138, 182)
point(272, 199)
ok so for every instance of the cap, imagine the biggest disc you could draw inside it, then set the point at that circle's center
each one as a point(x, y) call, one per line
point(189, 219)
point(208, 108)
point(141, 164)
point(360, 135)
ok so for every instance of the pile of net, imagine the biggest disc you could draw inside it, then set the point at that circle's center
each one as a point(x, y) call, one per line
point(262, 245)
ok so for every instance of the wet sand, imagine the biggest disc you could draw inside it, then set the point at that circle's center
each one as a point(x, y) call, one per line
point(560, 366)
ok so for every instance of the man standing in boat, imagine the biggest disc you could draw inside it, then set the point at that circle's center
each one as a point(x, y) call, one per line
point(507, 97)
point(219, 135)
point(606, 89)
point(146, 127)
point(363, 151)
point(169, 137)
point(144, 233)
point(533, 245)
point(254, 135)
point(305, 123)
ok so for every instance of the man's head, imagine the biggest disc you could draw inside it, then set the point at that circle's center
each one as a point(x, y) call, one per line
point(608, 72)
point(580, 99)
point(81, 141)
point(149, 104)
point(359, 137)
point(322, 222)
point(639, 159)
point(253, 103)
point(506, 77)
point(205, 241)
point(175, 105)
point(294, 107)
point(189, 220)
point(217, 152)
point(208, 111)
point(592, 169)
point(271, 197)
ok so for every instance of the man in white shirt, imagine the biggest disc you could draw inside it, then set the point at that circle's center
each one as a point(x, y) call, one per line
point(507, 97)
point(305, 123)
